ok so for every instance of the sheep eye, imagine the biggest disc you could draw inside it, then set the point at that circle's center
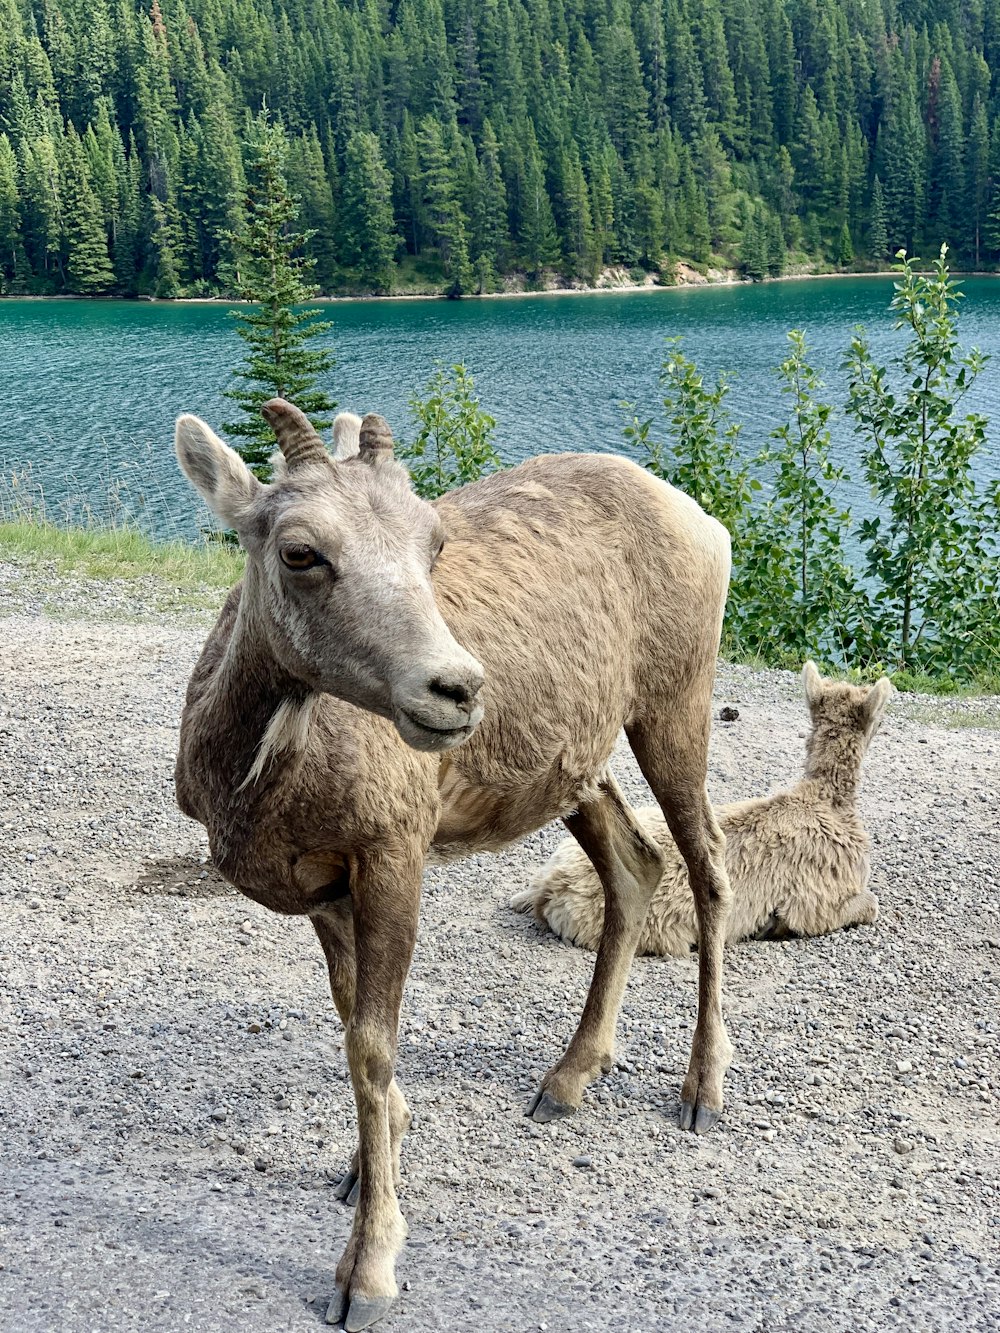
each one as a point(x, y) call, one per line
point(298, 557)
point(437, 553)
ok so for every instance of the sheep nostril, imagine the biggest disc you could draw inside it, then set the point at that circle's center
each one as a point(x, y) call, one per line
point(457, 691)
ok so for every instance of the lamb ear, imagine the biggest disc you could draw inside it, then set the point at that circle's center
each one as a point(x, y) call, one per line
point(877, 698)
point(812, 682)
point(216, 472)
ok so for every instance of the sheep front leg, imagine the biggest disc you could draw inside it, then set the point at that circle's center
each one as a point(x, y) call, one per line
point(386, 898)
point(334, 926)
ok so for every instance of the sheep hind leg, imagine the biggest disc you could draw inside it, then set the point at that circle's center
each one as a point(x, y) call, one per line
point(629, 865)
point(673, 756)
point(816, 917)
point(335, 930)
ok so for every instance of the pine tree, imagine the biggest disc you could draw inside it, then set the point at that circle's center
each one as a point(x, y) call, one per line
point(274, 276)
point(494, 238)
point(87, 265)
point(445, 218)
point(11, 266)
point(902, 171)
point(539, 240)
point(42, 211)
point(753, 248)
point(649, 224)
point(125, 246)
point(845, 247)
point(776, 249)
point(878, 237)
point(369, 237)
point(309, 181)
point(978, 166)
point(947, 175)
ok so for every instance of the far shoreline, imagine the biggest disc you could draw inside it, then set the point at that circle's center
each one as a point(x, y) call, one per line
point(613, 289)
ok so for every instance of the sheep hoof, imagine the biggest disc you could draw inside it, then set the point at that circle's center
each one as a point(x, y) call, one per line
point(544, 1107)
point(699, 1118)
point(705, 1118)
point(363, 1312)
point(337, 1308)
point(348, 1187)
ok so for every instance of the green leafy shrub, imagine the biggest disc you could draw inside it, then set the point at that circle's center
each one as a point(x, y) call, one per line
point(703, 457)
point(932, 549)
point(797, 588)
point(926, 600)
point(454, 443)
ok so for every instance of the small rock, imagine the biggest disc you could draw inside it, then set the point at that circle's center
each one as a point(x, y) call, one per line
point(261, 1163)
point(904, 1066)
point(728, 714)
point(903, 1146)
point(220, 1116)
point(583, 1161)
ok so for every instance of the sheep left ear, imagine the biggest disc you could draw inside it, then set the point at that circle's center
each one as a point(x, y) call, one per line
point(812, 682)
point(374, 439)
point(877, 699)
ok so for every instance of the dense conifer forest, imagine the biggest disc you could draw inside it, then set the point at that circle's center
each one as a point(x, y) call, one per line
point(453, 142)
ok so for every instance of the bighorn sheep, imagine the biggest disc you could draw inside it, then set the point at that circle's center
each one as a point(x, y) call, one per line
point(797, 860)
point(322, 738)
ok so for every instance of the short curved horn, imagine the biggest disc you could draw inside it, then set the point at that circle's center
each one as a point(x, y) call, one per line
point(376, 438)
point(297, 438)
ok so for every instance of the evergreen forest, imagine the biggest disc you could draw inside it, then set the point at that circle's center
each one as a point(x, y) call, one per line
point(453, 143)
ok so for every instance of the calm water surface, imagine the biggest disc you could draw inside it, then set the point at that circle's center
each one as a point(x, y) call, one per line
point(91, 388)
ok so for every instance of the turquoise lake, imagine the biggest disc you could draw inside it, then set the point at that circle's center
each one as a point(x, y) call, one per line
point(91, 388)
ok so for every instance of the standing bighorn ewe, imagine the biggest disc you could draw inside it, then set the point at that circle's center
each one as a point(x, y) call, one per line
point(393, 677)
point(797, 860)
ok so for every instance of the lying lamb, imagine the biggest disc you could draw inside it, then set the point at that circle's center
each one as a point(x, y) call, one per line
point(798, 860)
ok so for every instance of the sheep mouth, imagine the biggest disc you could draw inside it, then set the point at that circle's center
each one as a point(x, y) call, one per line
point(421, 735)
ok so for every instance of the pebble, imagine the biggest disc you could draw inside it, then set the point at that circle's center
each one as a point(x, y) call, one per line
point(583, 1161)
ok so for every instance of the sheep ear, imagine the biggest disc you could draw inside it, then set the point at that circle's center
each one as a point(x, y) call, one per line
point(812, 682)
point(216, 472)
point(877, 699)
point(375, 439)
point(346, 435)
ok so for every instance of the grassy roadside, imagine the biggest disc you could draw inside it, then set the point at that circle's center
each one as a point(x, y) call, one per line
point(120, 573)
point(111, 573)
point(121, 553)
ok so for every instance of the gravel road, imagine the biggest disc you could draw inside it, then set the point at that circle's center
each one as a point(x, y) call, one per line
point(175, 1103)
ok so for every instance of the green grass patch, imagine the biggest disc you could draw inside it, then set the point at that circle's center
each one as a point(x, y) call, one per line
point(984, 684)
point(164, 576)
point(122, 553)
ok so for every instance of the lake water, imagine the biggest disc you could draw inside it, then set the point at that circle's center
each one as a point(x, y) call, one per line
point(91, 388)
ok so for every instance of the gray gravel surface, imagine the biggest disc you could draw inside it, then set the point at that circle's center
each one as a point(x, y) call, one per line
point(175, 1105)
